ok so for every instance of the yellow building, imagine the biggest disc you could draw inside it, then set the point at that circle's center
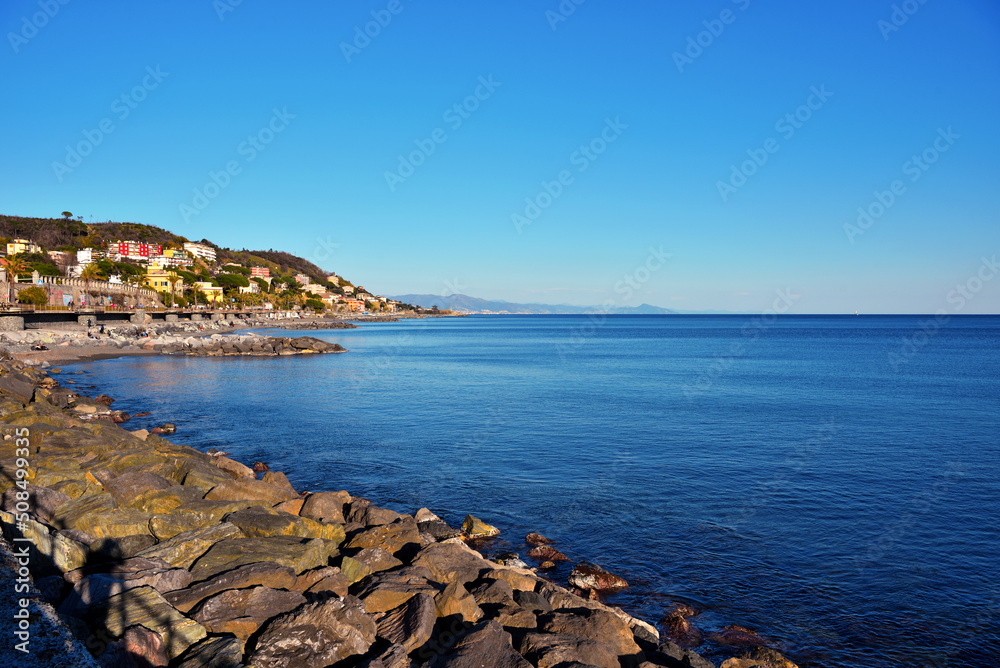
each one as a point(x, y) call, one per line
point(18, 246)
point(158, 279)
point(213, 293)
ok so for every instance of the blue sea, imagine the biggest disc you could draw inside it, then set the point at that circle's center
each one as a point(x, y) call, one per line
point(832, 483)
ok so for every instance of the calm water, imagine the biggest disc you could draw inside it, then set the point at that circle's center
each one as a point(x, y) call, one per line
point(813, 478)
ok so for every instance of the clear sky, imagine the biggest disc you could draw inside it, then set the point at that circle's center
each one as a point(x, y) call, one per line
point(667, 98)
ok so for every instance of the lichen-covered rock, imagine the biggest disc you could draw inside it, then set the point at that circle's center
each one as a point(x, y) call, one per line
point(300, 554)
point(325, 506)
point(260, 522)
point(185, 548)
point(246, 489)
point(391, 537)
point(473, 527)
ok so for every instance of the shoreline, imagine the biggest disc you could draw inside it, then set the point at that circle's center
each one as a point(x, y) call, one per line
point(366, 527)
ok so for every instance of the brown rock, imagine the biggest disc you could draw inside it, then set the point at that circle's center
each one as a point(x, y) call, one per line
point(185, 548)
point(244, 489)
point(363, 512)
point(486, 645)
point(537, 539)
point(300, 554)
point(318, 634)
point(278, 479)
point(737, 636)
point(586, 575)
point(265, 574)
point(292, 506)
point(456, 600)
point(42, 501)
point(225, 652)
point(410, 625)
point(597, 624)
point(260, 522)
point(546, 553)
point(234, 468)
point(452, 562)
point(354, 570)
point(391, 537)
point(493, 591)
point(143, 606)
point(378, 559)
point(242, 611)
point(384, 591)
point(678, 628)
point(260, 467)
point(139, 647)
point(546, 650)
point(475, 528)
point(325, 506)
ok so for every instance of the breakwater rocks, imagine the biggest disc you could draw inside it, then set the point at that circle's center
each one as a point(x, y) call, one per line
point(149, 553)
point(244, 344)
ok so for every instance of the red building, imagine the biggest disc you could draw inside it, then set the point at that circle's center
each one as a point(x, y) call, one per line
point(135, 250)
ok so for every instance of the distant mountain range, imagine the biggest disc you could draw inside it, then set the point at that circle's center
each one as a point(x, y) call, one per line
point(467, 304)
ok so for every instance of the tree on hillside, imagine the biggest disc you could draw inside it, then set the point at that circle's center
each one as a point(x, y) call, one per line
point(67, 215)
point(14, 266)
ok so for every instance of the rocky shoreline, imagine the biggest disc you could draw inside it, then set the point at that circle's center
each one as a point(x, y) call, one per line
point(146, 553)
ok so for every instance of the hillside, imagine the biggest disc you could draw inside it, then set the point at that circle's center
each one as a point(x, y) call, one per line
point(69, 234)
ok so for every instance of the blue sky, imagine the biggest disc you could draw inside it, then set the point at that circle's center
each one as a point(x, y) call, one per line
point(332, 121)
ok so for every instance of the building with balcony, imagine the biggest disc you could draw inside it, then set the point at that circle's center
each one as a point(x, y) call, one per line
point(203, 251)
point(19, 246)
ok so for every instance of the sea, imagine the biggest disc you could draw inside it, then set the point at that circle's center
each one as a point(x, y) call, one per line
point(830, 482)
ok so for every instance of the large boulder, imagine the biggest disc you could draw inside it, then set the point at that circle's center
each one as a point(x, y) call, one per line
point(185, 548)
point(260, 522)
point(242, 611)
point(384, 591)
point(452, 561)
point(475, 528)
point(264, 574)
point(411, 624)
point(391, 537)
point(42, 501)
point(378, 559)
point(246, 489)
point(487, 644)
point(547, 650)
point(456, 600)
point(144, 606)
point(164, 500)
point(317, 634)
point(300, 554)
point(586, 575)
point(600, 625)
point(325, 506)
point(126, 487)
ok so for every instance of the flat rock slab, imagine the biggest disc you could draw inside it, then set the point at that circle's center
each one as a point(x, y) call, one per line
point(266, 574)
point(260, 522)
point(185, 548)
point(547, 650)
point(247, 489)
point(597, 624)
point(144, 606)
point(382, 592)
point(242, 611)
point(300, 554)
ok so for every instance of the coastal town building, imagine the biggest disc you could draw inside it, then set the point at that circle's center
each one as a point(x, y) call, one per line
point(333, 278)
point(173, 257)
point(213, 293)
point(203, 251)
point(260, 272)
point(301, 279)
point(348, 289)
point(88, 256)
point(315, 289)
point(160, 280)
point(252, 289)
point(19, 246)
point(354, 305)
point(133, 250)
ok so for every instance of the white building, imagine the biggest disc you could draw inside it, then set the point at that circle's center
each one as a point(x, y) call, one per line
point(203, 251)
point(86, 256)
